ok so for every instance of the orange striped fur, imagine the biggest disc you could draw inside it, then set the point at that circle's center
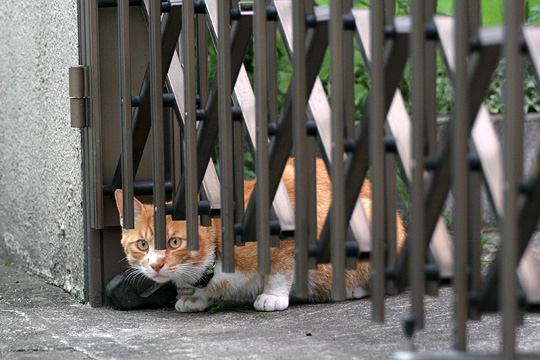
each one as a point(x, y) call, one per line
point(270, 293)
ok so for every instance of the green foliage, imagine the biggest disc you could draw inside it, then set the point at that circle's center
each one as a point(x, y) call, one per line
point(8, 263)
point(249, 166)
point(495, 96)
point(486, 240)
point(402, 190)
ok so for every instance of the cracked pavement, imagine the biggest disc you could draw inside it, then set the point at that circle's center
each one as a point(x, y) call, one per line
point(38, 320)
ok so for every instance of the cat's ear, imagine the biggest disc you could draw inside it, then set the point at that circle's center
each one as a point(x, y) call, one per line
point(138, 206)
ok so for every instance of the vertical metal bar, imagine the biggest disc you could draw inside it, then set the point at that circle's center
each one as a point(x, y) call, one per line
point(300, 144)
point(338, 222)
point(390, 201)
point(349, 107)
point(430, 109)
point(94, 134)
point(168, 116)
point(310, 157)
point(190, 126)
point(389, 11)
point(348, 86)
point(474, 200)
point(376, 154)
point(390, 195)
point(474, 243)
point(177, 146)
point(124, 62)
point(460, 168)
point(271, 53)
point(156, 106)
point(202, 59)
point(261, 163)
point(513, 134)
point(92, 155)
point(225, 134)
point(273, 108)
point(430, 70)
point(418, 239)
point(202, 71)
point(474, 16)
point(238, 166)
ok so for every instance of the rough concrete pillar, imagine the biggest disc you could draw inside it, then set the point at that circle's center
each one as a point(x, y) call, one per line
point(41, 218)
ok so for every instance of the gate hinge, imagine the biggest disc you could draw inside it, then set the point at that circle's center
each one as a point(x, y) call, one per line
point(78, 95)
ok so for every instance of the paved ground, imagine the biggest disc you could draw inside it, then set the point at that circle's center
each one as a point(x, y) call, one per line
point(41, 321)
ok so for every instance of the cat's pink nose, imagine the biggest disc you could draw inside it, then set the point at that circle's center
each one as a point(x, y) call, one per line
point(157, 266)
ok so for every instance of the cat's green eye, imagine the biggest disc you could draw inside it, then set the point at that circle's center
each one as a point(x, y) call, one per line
point(142, 245)
point(175, 243)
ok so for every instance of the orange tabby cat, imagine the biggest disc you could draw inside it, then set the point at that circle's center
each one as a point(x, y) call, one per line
point(190, 269)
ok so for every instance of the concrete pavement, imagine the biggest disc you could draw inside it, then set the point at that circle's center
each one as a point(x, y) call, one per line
point(38, 320)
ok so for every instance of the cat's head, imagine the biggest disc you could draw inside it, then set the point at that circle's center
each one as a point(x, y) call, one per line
point(176, 263)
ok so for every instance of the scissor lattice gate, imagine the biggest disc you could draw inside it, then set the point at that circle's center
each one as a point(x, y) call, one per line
point(152, 120)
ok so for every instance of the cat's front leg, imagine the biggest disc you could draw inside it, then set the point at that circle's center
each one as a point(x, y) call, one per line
point(197, 302)
point(275, 296)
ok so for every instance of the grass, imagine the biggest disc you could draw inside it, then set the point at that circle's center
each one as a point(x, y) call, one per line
point(8, 263)
point(493, 12)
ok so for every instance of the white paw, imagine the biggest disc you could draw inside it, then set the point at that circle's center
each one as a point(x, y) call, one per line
point(191, 304)
point(357, 293)
point(267, 302)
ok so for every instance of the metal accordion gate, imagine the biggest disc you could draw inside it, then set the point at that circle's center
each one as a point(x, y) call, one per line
point(157, 122)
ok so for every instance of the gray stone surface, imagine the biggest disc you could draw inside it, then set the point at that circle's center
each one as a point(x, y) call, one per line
point(41, 220)
point(41, 321)
point(531, 151)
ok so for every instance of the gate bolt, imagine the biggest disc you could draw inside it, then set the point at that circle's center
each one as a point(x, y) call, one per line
point(349, 22)
point(271, 13)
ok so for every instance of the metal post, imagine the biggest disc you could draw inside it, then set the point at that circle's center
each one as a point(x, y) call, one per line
point(300, 147)
point(225, 134)
point(474, 185)
point(202, 72)
point(273, 108)
point(338, 221)
point(513, 134)
point(124, 62)
point(190, 126)
point(430, 107)
point(474, 240)
point(418, 239)
point(261, 164)
point(156, 101)
point(348, 81)
point(202, 59)
point(389, 11)
point(430, 70)
point(377, 155)
point(390, 193)
point(460, 169)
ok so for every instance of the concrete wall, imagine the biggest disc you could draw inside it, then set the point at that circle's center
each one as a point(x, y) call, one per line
point(41, 219)
point(531, 149)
